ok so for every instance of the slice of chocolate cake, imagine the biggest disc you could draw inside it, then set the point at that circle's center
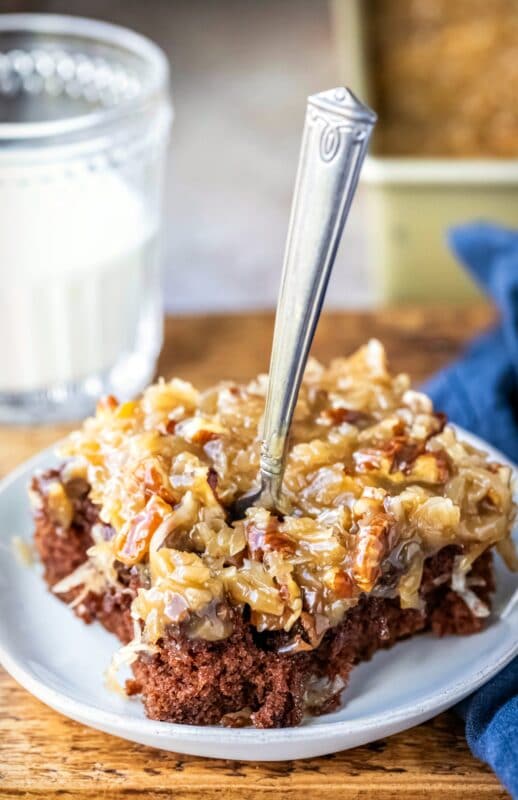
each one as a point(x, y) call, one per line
point(260, 620)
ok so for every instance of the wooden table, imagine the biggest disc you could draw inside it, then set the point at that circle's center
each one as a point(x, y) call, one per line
point(43, 754)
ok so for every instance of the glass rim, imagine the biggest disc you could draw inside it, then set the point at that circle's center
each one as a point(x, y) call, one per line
point(95, 30)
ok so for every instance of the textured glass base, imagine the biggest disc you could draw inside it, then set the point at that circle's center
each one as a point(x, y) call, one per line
point(77, 399)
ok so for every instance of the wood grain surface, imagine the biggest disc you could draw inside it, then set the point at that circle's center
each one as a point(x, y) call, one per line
point(45, 755)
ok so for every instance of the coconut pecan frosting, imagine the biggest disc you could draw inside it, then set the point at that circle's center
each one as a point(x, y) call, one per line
point(376, 482)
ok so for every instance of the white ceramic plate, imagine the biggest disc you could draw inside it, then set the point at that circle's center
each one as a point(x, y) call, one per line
point(61, 661)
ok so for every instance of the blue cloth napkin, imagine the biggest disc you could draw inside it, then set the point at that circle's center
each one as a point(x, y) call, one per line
point(480, 393)
point(491, 716)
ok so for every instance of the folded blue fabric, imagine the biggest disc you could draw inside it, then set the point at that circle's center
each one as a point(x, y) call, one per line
point(491, 716)
point(480, 390)
point(480, 393)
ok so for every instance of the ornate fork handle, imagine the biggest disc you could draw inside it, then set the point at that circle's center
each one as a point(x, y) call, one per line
point(336, 134)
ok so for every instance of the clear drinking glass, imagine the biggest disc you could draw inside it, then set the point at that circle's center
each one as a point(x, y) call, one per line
point(84, 123)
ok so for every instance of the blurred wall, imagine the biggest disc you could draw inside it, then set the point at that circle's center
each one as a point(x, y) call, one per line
point(241, 71)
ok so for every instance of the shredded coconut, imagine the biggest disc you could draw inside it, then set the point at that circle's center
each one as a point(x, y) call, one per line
point(371, 471)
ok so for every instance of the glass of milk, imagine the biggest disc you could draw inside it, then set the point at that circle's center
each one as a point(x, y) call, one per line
point(84, 123)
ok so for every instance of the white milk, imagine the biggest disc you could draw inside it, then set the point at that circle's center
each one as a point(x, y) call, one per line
point(74, 253)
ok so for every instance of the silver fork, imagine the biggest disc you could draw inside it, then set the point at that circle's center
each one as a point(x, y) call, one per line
point(336, 134)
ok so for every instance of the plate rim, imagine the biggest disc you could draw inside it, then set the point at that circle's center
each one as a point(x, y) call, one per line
point(392, 721)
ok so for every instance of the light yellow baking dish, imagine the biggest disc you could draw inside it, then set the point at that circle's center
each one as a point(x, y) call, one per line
point(411, 202)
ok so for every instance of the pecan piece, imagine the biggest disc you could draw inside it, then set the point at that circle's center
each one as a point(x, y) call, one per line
point(152, 475)
point(131, 543)
point(343, 585)
point(263, 535)
point(375, 537)
point(336, 416)
point(430, 467)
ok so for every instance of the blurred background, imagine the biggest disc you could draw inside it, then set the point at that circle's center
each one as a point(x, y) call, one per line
point(241, 71)
point(240, 74)
point(442, 76)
